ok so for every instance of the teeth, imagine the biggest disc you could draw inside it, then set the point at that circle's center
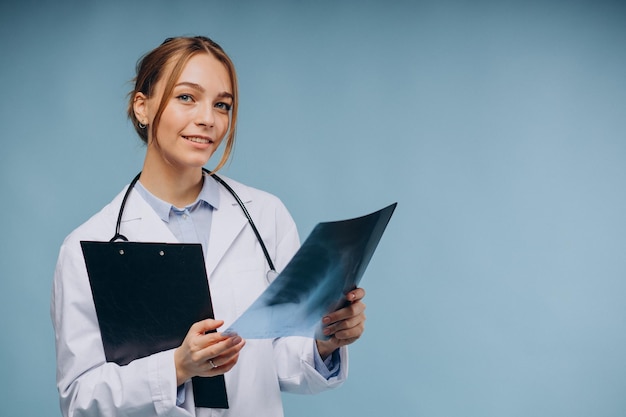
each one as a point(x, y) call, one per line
point(197, 140)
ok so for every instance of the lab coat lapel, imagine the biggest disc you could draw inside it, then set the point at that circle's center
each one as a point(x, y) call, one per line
point(227, 223)
point(140, 223)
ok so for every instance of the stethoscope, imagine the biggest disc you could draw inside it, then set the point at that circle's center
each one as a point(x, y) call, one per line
point(271, 274)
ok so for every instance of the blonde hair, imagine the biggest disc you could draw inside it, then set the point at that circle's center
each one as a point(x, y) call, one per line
point(151, 67)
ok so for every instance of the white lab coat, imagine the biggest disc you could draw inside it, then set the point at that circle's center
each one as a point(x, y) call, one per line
point(89, 386)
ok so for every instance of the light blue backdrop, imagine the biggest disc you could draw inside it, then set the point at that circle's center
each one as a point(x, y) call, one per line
point(499, 288)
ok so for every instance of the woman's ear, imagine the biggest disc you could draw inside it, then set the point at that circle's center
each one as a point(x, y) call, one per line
point(140, 107)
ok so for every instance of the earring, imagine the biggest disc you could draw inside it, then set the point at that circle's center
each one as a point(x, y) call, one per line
point(141, 125)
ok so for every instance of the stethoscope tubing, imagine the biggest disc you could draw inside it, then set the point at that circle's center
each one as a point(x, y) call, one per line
point(119, 236)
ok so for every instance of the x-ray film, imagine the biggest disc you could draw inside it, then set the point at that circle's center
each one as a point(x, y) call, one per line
point(329, 264)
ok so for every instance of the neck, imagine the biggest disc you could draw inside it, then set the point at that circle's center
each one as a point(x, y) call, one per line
point(179, 187)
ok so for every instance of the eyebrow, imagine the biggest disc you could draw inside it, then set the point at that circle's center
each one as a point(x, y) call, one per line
point(201, 89)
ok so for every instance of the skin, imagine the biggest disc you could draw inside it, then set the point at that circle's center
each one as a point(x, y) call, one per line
point(172, 171)
point(344, 326)
point(198, 108)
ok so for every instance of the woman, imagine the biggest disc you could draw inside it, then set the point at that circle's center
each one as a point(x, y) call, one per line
point(183, 105)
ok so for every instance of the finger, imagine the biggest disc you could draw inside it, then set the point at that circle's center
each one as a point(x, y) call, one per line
point(220, 368)
point(345, 342)
point(347, 336)
point(351, 333)
point(198, 342)
point(351, 310)
point(222, 363)
point(221, 347)
point(346, 324)
point(228, 355)
point(235, 346)
point(352, 297)
point(355, 295)
point(204, 326)
point(212, 367)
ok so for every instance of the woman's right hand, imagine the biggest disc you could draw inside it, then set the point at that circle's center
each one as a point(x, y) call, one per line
point(206, 354)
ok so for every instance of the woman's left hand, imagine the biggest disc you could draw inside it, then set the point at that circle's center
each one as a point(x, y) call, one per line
point(345, 325)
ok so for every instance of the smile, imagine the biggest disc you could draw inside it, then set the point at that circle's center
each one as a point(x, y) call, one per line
point(198, 139)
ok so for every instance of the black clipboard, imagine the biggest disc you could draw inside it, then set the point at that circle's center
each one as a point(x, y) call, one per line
point(147, 296)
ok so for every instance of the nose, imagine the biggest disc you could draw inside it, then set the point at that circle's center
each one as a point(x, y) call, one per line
point(205, 115)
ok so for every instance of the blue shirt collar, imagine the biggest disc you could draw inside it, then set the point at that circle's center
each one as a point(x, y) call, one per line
point(209, 194)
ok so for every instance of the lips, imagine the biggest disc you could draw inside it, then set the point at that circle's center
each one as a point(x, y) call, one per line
point(199, 139)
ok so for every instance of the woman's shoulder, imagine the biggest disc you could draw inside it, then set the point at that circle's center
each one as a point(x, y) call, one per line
point(270, 215)
point(249, 194)
point(262, 205)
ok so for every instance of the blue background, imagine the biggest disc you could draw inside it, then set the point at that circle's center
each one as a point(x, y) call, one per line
point(499, 288)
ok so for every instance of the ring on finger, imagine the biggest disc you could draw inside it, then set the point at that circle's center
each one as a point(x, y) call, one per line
point(213, 365)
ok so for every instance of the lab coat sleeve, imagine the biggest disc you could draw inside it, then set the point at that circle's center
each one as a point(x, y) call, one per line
point(295, 363)
point(87, 384)
point(295, 356)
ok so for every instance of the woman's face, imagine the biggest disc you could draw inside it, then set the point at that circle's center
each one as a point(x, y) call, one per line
point(196, 117)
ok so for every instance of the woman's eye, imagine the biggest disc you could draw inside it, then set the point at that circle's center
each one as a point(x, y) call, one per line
point(223, 106)
point(185, 97)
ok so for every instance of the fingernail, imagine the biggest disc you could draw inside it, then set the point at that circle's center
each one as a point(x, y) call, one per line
point(327, 331)
point(236, 340)
point(326, 320)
